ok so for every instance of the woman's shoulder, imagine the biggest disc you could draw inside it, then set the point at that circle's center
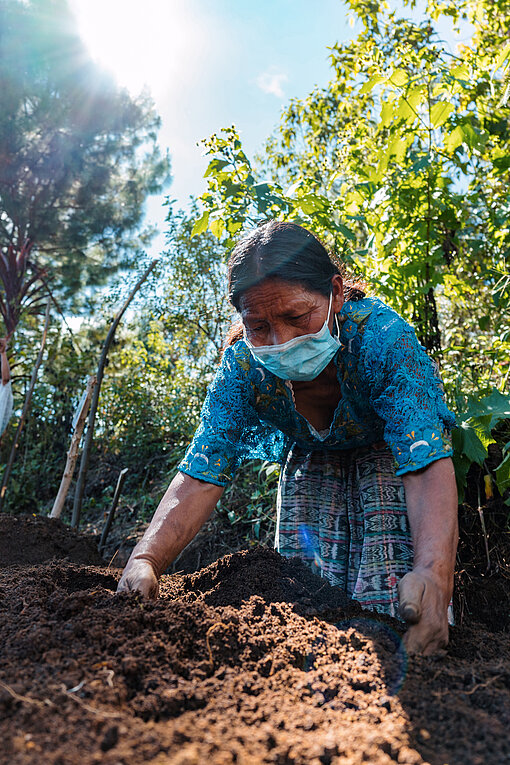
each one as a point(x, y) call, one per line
point(237, 357)
point(380, 329)
point(368, 317)
point(238, 364)
point(382, 321)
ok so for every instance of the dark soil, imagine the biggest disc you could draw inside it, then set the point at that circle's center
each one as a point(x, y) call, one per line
point(483, 565)
point(36, 539)
point(251, 660)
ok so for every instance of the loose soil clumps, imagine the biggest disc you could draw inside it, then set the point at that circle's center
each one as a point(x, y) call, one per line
point(252, 660)
point(27, 539)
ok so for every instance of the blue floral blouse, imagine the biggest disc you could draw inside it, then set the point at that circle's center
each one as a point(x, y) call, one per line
point(390, 390)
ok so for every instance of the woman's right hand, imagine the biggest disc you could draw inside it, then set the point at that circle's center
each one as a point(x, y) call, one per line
point(139, 576)
point(186, 505)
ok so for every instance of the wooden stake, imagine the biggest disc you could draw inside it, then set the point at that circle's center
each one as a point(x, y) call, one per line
point(80, 485)
point(111, 514)
point(72, 454)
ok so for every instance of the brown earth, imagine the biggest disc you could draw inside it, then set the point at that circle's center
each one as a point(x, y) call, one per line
point(35, 539)
point(251, 660)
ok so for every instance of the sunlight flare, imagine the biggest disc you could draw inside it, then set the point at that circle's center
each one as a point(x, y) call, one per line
point(147, 43)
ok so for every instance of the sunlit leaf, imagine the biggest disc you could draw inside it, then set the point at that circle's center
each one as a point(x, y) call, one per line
point(398, 78)
point(496, 405)
point(215, 166)
point(467, 440)
point(500, 60)
point(397, 149)
point(440, 113)
point(371, 83)
point(201, 224)
point(345, 232)
point(386, 114)
point(502, 473)
point(454, 139)
point(404, 110)
point(217, 228)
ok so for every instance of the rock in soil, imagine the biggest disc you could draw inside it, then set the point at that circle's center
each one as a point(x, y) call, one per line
point(252, 660)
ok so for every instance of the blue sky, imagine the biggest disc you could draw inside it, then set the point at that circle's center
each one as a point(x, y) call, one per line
point(213, 63)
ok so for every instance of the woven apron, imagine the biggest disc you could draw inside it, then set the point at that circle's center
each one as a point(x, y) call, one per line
point(344, 513)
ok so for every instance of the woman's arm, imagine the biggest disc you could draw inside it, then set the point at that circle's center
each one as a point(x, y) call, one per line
point(6, 372)
point(432, 506)
point(185, 507)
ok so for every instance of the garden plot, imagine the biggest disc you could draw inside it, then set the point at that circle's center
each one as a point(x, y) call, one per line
point(251, 660)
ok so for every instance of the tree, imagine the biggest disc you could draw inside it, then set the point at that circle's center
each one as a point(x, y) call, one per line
point(401, 164)
point(194, 310)
point(78, 155)
point(159, 366)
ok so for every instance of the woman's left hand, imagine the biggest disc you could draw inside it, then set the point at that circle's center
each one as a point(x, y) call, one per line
point(424, 600)
point(425, 592)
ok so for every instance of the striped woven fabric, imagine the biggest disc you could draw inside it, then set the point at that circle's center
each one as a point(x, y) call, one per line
point(344, 513)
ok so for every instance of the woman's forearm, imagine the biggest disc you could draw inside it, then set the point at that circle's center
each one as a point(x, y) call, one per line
point(6, 372)
point(185, 507)
point(431, 499)
point(432, 507)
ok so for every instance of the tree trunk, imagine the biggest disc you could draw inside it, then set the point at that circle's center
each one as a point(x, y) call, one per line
point(80, 485)
point(72, 454)
point(26, 405)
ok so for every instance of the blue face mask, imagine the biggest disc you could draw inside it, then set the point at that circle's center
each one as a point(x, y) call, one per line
point(302, 358)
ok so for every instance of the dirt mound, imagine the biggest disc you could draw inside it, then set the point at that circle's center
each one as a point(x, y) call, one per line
point(28, 539)
point(235, 664)
point(234, 578)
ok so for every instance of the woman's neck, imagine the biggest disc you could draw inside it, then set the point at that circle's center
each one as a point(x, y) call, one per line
point(316, 400)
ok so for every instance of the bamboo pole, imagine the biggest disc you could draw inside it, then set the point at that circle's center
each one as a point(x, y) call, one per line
point(72, 454)
point(26, 405)
point(80, 485)
point(111, 514)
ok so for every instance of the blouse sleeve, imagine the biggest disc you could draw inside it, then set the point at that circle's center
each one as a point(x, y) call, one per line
point(227, 415)
point(407, 393)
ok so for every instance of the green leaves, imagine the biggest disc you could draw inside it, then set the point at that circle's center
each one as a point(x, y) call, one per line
point(215, 166)
point(371, 83)
point(217, 228)
point(502, 473)
point(200, 224)
point(495, 406)
point(473, 436)
point(502, 58)
point(399, 78)
point(235, 198)
point(454, 139)
point(440, 113)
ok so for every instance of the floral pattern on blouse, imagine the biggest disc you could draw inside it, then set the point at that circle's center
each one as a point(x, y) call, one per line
point(390, 390)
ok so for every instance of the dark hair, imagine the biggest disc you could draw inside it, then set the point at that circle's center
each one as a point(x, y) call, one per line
point(283, 251)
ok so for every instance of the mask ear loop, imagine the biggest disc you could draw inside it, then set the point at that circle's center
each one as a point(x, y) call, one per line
point(335, 315)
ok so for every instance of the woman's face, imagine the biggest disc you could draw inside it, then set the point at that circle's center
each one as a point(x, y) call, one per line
point(276, 311)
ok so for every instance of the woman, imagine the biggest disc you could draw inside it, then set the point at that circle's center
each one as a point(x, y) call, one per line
point(335, 386)
point(6, 398)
